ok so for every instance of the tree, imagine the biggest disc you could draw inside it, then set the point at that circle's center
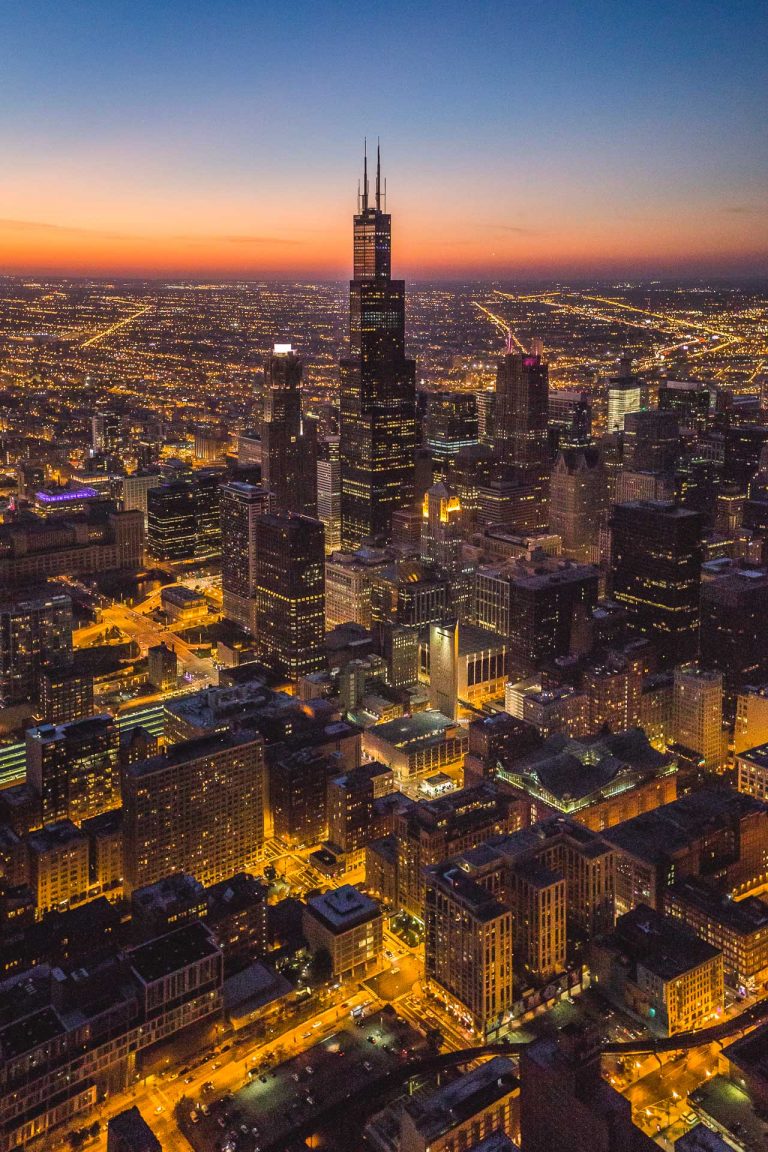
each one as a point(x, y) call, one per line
point(322, 966)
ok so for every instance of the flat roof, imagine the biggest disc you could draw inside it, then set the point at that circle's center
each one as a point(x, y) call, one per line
point(165, 954)
point(343, 908)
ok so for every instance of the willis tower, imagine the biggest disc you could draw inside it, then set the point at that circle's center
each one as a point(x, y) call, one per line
point(378, 387)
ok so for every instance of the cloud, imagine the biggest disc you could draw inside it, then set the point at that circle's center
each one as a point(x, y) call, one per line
point(743, 209)
point(516, 228)
point(75, 232)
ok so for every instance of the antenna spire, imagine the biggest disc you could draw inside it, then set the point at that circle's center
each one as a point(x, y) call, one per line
point(378, 175)
point(365, 174)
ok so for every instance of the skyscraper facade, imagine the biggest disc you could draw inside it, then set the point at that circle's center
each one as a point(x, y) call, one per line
point(241, 507)
point(290, 593)
point(378, 404)
point(329, 491)
point(288, 440)
point(656, 554)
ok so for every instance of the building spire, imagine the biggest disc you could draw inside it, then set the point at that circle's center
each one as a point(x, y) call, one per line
point(365, 174)
point(378, 175)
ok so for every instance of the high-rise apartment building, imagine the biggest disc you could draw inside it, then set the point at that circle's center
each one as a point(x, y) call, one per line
point(751, 727)
point(656, 555)
point(290, 593)
point(34, 628)
point(74, 768)
point(329, 491)
point(442, 534)
point(198, 808)
point(468, 948)
point(697, 713)
point(241, 507)
point(651, 440)
point(378, 404)
point(288, 439)
point(106, 432)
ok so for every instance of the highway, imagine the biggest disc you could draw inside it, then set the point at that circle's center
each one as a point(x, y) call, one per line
point(114, 327)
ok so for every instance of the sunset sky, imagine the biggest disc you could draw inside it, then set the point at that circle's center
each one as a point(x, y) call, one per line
point(214, 138)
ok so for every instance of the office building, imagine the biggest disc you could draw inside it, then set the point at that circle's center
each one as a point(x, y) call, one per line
point(660, 970)
point(298, 792)
point(410, 593)
point(329, 491)
point(656, 556)
point(74, 769)
point(183, 519)
point(416, 746)
point(463, 664)
point(288, 439)
point(717, 833)
point(751, 727)
point(737, 928)
point(479, 1105)
point(752, 771)
point(348, 577)
point(348, 926)
point(106, 432)
point(241, 506)
point(442, 535)
point(468, 949)
point(199, 808)
point(689, 401)
point(522, 392)
point(651, 441)
point(34, 629)
point(697, 713)
point(450, 424)
point(162, 670)
point(135, 489)
point(378, 403)
point(290, 594)
point(733, 633)
point(534, 604)
point(577, 497)
point(567, 1106)
point(625, 395)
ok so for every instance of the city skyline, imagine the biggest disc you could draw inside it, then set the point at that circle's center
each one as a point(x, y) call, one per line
point(548, 143)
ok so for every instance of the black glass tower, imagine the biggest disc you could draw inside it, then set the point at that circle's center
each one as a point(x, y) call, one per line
point(288, 439)
point(378, 391)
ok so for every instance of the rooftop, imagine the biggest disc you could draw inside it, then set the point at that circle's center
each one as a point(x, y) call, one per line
point(343, 908)
point(658, 943)
point(172, 952)
point(463, 1098)
point(189, 751)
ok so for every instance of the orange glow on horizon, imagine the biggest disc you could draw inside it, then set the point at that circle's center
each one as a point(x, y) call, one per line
point(422, 248)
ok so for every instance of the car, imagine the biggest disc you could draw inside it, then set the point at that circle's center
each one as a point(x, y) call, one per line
point(205, 1110)
point(295, 1076)
point(310, 1069)
point(371, 1039)
point(221, 1121)
point(188, 1079)
point(395, 971)
point(193, 1116)
point(367, 1065)
point(159, 1108)
point(254, 1130)
point(244, 1129)
point(263, 1078)
point(310, 1101)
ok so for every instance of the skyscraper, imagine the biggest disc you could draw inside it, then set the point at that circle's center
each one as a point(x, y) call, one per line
point(656, 557)
point(290, 593)
point(288, 440)
point(241, 507)
point(378, 403)
point(34, 628)
point(522, 392)
point(73, 768)
point(329, 491)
